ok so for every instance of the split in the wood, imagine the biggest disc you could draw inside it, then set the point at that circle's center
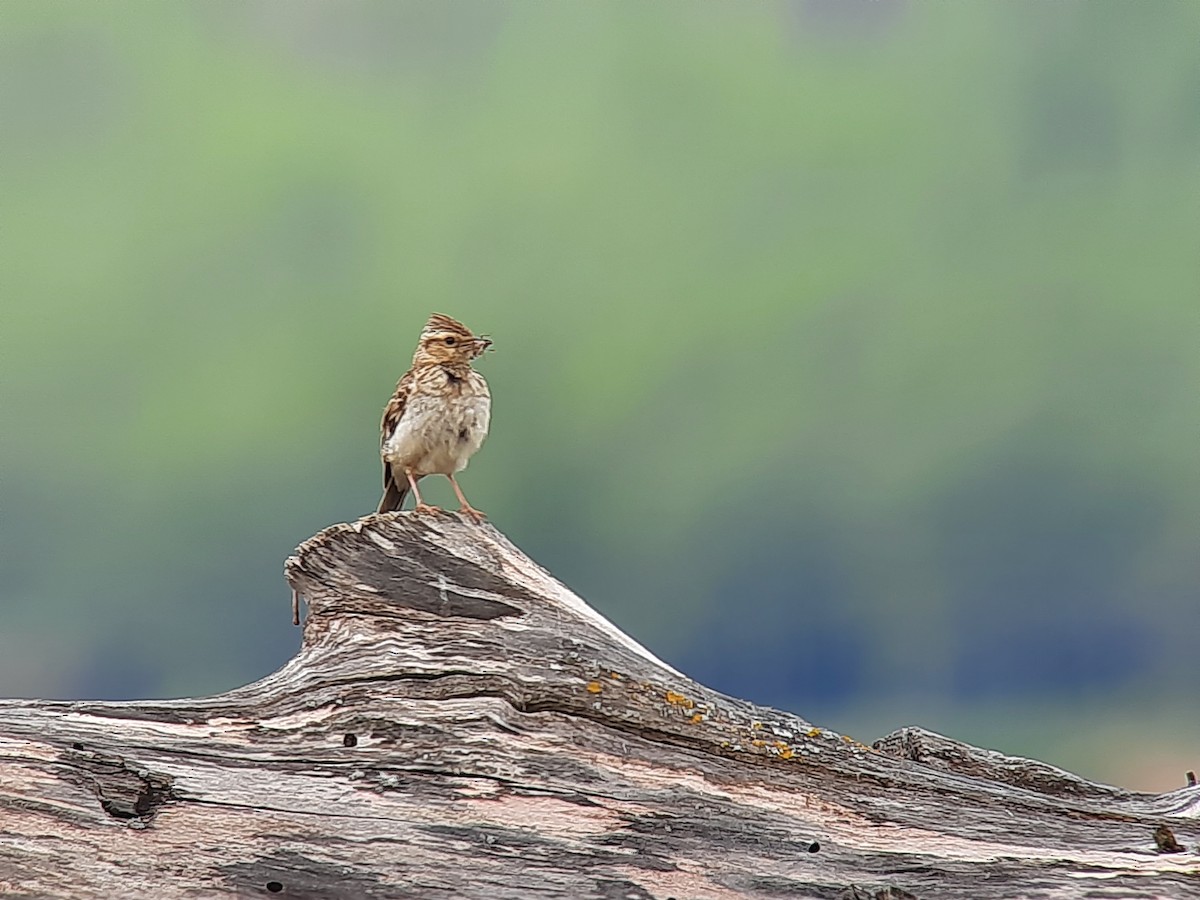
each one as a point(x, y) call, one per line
point(1164, 838)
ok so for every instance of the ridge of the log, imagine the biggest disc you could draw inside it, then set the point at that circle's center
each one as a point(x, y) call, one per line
point(453, 608)
point(452, 701)
point(940, 752)
point(446, 566)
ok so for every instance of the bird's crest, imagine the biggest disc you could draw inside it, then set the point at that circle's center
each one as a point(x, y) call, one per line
point(440, 324)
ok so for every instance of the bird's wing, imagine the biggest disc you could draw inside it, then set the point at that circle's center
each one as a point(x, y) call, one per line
point(392, 413)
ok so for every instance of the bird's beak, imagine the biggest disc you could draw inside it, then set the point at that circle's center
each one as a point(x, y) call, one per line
point(482, 344)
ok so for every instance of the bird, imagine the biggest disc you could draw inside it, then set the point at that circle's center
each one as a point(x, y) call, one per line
point(438, 416)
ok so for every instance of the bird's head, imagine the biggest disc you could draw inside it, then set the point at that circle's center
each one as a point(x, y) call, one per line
point(445, 340)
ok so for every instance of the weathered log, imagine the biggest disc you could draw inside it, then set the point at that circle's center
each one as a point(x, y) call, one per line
point(459, 724)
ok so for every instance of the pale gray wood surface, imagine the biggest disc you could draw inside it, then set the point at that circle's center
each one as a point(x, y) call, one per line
point(459, 724)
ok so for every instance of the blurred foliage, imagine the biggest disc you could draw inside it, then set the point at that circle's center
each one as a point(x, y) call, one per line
point(846, 351)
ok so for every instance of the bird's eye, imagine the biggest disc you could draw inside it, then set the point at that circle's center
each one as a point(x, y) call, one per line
point(450, 342)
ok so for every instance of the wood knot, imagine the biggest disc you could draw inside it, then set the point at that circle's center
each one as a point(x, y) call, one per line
point(124, 791)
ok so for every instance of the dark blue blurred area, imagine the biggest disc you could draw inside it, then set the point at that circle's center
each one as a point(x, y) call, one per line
point(1042, 559)
point(777, 631)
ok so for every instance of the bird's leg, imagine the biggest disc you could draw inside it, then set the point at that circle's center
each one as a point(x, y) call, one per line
point(422, 506)
point(466, 507)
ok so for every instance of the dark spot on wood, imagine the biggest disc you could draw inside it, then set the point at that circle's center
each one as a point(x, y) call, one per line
point(124, 797)
point(123, 791)
point(814, 847)
point(305, 878)
point(1164, 837)
point(77, 746)
point(350, 740)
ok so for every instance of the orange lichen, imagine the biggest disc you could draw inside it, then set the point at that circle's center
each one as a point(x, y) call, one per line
point(846, 739)
point(594, 687)
point(814, 732)
point(615, 676)
point(785, 752)
point(696, 718)
point(679, 700)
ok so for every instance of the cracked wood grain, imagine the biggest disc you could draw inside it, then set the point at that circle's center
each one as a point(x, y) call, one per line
point(459, 724)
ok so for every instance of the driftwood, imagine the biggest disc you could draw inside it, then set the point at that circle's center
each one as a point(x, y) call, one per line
point(459, 724)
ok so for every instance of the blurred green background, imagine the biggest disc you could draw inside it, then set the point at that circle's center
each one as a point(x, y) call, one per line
point(846, 352)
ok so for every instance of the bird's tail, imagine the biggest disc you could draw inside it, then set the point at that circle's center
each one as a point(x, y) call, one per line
point(393, 494)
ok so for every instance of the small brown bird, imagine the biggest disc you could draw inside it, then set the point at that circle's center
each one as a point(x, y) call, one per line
point(438, 416)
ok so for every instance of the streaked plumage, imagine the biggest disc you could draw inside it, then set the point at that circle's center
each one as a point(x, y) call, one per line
point(438, 416)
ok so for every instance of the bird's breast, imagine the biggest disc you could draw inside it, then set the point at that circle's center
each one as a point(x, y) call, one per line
point(441, 430)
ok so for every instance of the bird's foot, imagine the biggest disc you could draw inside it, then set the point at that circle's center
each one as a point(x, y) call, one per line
point(471, 512)
point(424, 509)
